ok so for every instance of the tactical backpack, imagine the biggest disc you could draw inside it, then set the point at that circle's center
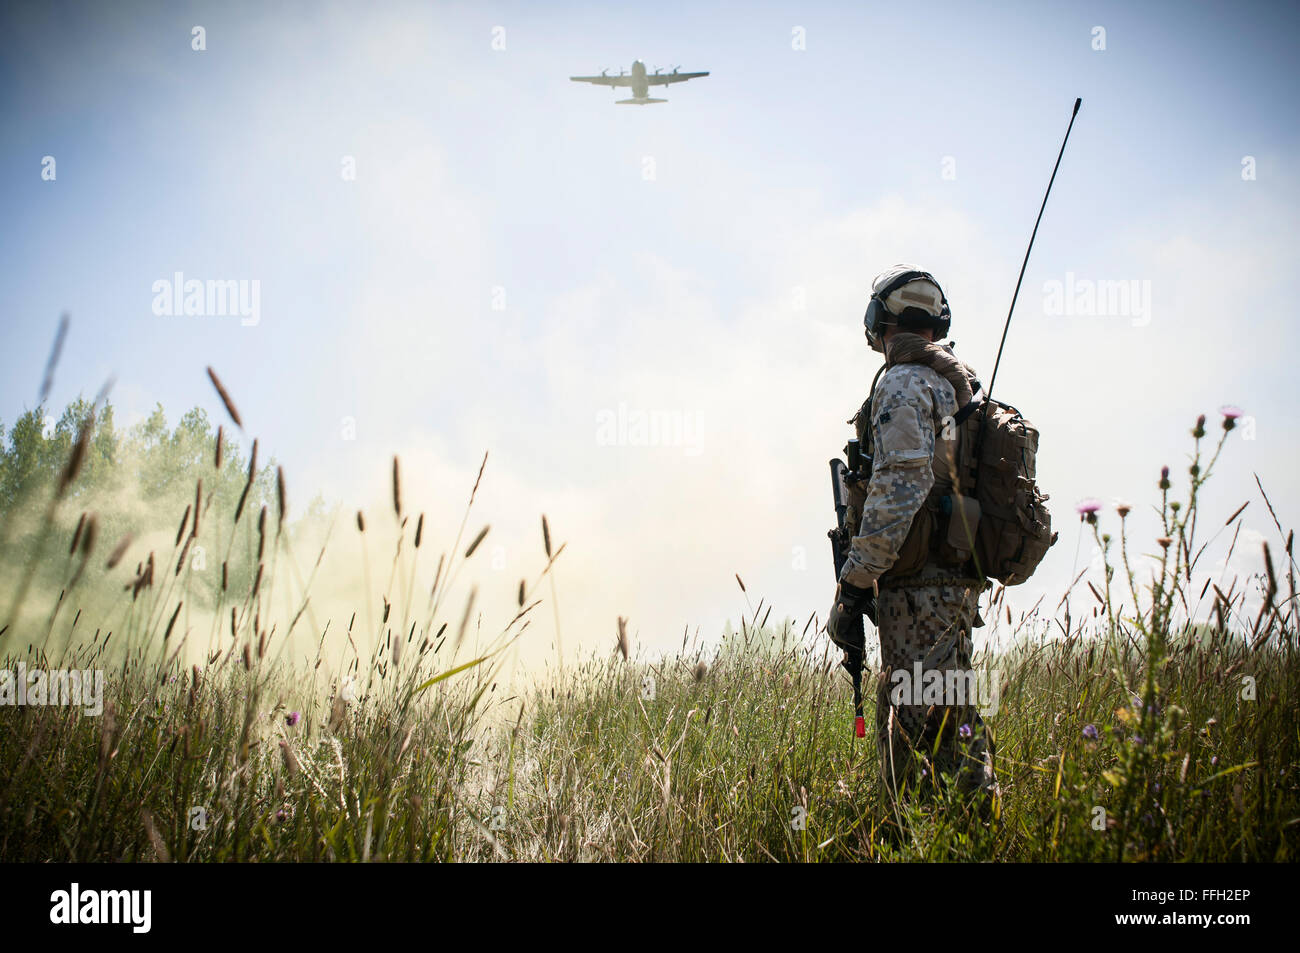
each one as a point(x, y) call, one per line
point(992, 520)
point(1012, 527)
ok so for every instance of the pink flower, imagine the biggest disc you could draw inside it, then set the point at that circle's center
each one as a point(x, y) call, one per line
point(1232, 413)
point(291, 719)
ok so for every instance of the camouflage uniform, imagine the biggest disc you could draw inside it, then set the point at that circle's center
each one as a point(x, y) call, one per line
point(926, 623)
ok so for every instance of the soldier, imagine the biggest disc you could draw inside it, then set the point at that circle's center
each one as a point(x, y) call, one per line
point(925, 604)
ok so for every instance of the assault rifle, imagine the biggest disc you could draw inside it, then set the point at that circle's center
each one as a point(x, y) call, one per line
point(853, 639)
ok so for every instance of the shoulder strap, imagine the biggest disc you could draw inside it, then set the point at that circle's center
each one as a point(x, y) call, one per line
point(960, 417)
point(866, 408)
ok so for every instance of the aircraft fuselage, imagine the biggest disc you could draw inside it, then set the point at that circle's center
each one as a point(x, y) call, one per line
point(640, 88)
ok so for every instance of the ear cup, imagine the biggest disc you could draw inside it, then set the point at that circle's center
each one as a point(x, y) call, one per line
point(874, 318)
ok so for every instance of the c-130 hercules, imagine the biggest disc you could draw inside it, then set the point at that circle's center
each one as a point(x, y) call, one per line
point(640, 81)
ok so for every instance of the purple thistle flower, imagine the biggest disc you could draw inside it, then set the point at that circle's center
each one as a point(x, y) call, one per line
point(292, 718)
point(1090, 732)
point(1087, 509)
point(1232, 413)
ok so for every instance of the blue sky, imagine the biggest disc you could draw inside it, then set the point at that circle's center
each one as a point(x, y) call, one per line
point(788, 175)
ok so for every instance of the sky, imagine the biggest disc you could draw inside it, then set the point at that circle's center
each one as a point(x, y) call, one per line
point(650, 317)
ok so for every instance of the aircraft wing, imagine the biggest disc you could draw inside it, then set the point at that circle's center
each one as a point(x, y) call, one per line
point(604, 80)
point(663, 79)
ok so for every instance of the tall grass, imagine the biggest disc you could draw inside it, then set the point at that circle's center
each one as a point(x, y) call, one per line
point(1170, 735)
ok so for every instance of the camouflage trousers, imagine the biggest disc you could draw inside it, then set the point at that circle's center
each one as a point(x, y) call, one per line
point(927, 628)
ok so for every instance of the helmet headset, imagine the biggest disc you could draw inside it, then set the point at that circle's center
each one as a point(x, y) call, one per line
point(911, 318)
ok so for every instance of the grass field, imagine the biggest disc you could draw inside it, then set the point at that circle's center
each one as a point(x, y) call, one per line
point(1157, 740)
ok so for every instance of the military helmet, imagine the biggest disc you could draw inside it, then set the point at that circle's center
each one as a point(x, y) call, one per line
point(907, 297)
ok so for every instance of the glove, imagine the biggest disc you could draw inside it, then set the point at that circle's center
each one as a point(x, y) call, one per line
point(844, 624)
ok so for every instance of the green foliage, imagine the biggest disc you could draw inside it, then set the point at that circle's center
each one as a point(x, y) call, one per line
point(137, 482)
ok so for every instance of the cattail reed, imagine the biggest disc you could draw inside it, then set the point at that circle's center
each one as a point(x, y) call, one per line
point(477, 539)
point(92, 528)
point(279, 494)
point(464, 621)
point(257, 583)
point(76, 536)
point(78, 455)
point(361, 522)
point(261, 533)
point(198, 503)
point(419, 530)
point(59, 336)
point(216, 460)
point(523, 589)
point(437, 576)
point(546, 536)
point(224, 576)
point(171, 624)
point(180, 530)
point(248, 484)
point(119, 551)
point(225, 398)
point(397, 489)
point(239, 509)
point(143, 578)
point(180, 563)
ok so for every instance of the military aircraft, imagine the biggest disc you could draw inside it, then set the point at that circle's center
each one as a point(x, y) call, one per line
point(640, 81)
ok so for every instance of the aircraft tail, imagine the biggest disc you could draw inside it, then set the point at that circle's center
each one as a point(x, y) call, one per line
point(639, 101)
